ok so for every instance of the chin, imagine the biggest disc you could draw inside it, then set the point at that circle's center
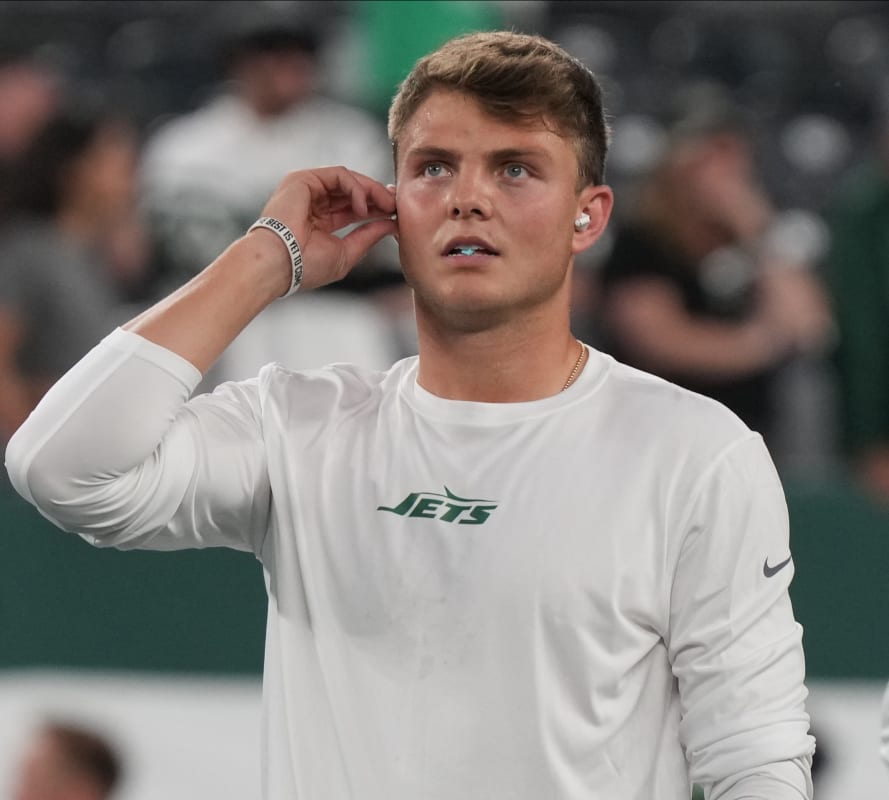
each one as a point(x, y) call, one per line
point(466, 313)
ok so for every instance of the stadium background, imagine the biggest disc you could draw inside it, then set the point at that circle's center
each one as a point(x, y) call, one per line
point(165, 650)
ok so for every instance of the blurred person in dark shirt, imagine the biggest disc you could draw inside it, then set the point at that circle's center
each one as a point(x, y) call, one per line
point(71, 249)
point(702, 286)
point(29, 94)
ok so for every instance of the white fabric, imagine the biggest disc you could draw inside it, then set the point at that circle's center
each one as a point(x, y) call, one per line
point(309, 331)
point(207, 175)
point(557, 599)
point(884, 730)
point(235, 155)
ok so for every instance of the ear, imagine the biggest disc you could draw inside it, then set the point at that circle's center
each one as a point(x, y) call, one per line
point(596, 202)
point(391, 188)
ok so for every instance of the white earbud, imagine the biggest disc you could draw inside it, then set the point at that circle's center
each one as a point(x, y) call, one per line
point(582, 222)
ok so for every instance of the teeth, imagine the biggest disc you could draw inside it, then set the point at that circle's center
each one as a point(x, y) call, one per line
point(466, 251)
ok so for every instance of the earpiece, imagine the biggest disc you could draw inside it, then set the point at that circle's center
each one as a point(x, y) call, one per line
point(582, 222)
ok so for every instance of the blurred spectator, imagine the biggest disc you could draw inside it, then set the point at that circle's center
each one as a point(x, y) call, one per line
point(69, 252)
point(208, 174)
point(707, 286)
point(67, 762)
point(29, 94)
point(859, 284)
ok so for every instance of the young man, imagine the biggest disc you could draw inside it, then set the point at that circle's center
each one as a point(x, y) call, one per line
point(508, 568)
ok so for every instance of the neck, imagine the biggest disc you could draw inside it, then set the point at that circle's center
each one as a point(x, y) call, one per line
point(509, 364)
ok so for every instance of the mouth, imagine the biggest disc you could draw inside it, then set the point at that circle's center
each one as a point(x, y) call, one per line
point(469, 247)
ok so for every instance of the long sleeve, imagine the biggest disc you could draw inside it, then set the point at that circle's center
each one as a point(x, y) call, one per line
point(884, 729)
point(117, 453)
point(734, 644)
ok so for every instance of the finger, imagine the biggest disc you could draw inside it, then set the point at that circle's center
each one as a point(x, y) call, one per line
point(336, 220)
point(382, 197)
point(357, 242)
point(373, 193)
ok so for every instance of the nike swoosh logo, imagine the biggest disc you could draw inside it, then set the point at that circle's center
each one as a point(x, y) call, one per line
point(770, 571)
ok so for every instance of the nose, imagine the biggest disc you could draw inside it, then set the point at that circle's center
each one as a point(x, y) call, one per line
point(471, 196)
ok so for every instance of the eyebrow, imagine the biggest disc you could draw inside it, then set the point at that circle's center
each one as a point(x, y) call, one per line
point(507, 154)
point(434, 153)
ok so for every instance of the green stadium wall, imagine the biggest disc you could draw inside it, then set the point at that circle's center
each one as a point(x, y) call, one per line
point(66, 604)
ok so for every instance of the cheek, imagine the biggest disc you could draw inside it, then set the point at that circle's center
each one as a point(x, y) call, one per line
point(409, 237)
point(545, 225)
point(415, 213)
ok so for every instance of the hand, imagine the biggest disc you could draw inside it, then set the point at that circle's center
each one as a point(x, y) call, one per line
point(797, 307)
point(316, 203)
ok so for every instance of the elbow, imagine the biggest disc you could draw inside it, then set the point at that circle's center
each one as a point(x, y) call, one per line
point(17, 461)
point(103, 507)
point(72, 503)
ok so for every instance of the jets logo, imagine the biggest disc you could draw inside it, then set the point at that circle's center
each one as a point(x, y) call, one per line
point(445, 507)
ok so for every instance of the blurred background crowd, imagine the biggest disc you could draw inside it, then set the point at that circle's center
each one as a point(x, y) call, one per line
point(748, 258)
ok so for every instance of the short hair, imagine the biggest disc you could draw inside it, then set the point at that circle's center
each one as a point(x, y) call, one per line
point(518, 78)
point(40, 177)
point(87, 752)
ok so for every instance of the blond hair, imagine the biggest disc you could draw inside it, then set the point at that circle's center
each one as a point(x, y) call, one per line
point(518, 78)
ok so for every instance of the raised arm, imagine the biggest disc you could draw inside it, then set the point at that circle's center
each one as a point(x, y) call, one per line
point(113, 452)
point(202, 318)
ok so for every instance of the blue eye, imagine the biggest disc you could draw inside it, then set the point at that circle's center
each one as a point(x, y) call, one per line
point(434, 170)
point(515, 171)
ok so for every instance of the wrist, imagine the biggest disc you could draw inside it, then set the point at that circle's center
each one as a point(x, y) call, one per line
point(262, 257)
point(291, 246)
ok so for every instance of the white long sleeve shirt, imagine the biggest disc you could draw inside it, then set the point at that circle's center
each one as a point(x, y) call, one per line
point(577, 598)
point(884, 728)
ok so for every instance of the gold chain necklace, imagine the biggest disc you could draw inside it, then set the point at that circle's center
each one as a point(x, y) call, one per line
point(576, 370)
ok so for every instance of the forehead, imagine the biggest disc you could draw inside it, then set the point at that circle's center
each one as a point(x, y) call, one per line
point(454, 120)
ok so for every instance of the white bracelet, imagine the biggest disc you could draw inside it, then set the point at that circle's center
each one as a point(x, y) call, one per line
point(286, 236)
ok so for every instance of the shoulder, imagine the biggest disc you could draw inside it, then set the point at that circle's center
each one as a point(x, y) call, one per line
point(674, 445)
point(315, 395)
point(349, 134)
point(335, 111)
point(192, 130)
point(660, 416)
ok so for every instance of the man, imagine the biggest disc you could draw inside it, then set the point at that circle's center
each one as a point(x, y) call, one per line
point(207, 174)
point(700, 287)
point(508, 568)
point(67, 762)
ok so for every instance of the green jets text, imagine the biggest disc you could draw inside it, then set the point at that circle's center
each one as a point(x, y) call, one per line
point(444, 507)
